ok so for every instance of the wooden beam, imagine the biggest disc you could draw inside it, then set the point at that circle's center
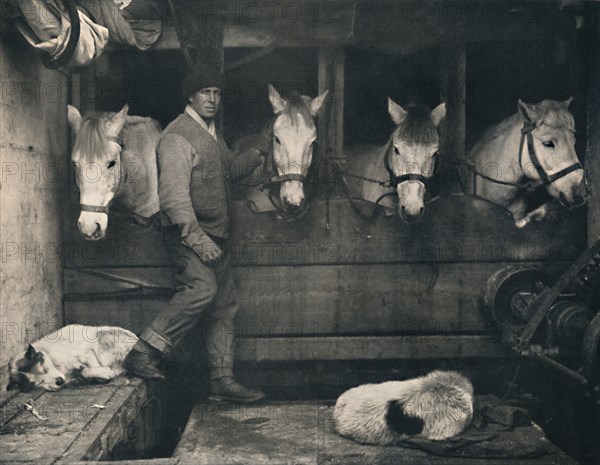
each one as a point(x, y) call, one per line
point(339, 64)
point(455, 79)
point(87, 88)
point(234, 36)
point(368, 348)
point(324, 78)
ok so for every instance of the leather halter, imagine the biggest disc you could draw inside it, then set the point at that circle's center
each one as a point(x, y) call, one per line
point(120, 178)
point(395, 179)
point(526, 133)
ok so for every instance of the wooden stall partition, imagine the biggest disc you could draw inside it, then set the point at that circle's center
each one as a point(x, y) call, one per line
point(352, 282)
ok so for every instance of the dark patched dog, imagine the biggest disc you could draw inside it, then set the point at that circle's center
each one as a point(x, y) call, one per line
point(436, 406)
point(75, 352)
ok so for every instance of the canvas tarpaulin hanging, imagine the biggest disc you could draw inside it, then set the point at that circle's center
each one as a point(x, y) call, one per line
point(75, 34)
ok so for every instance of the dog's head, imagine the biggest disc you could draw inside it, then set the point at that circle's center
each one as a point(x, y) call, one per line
point(34, 369)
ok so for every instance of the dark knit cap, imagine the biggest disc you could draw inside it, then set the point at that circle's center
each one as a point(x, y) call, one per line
point(201, 78)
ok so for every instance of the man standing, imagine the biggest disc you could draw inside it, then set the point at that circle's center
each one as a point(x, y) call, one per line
point(194, 164)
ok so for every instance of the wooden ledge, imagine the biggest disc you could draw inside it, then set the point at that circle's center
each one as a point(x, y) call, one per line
point(79, 423)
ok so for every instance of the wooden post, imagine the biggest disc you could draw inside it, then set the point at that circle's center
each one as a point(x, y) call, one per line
point(339, 62)
point(324, 82)
point(76, 89)
point(331, 117)
point(455, 89)
point(87, 88)
point(592, 157)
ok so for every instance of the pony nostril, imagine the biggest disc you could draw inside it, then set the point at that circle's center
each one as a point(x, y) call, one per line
point(59, 381)
point(421, 211)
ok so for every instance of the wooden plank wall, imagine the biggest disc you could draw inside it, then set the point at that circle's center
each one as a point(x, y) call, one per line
point(297, 281)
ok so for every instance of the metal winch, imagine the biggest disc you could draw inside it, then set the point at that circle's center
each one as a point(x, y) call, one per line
point(554, 320)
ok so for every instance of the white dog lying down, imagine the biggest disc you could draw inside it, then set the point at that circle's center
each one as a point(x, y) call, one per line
point(436, 406)
point(92, 353)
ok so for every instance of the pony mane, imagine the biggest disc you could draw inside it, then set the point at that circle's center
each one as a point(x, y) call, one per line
point(297, 104)
point(417, 127)
point(92, 139)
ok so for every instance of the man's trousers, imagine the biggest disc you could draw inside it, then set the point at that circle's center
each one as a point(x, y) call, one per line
point(202, 291)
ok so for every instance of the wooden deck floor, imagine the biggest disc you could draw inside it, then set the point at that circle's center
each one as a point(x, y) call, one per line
point(84, 423)
point(300, 433)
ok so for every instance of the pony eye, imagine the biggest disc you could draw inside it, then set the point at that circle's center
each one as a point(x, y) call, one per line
point(111, 164)
point(396, 151)
point(277, 140)
point(437, 152)
point(548, 144)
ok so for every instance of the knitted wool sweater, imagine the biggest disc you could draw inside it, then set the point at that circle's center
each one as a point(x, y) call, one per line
point(193, 173)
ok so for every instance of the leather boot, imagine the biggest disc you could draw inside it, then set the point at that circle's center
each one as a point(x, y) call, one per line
point(143, 364)
point(226, 388)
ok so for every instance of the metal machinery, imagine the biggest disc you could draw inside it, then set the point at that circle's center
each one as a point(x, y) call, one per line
point(556, 321)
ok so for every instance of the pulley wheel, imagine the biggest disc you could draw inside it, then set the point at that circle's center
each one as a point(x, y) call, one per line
point(508, 294)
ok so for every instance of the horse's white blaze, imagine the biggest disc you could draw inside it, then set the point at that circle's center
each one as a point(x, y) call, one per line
point(411, 158)
point(98, 180)
point(293, 139)
point(292, 154)
point(97, 186)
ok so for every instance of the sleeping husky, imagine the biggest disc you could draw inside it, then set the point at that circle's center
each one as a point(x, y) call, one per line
point(436, 406)
point(75, 352)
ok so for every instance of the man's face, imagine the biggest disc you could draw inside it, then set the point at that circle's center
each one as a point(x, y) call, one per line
point(206, 102)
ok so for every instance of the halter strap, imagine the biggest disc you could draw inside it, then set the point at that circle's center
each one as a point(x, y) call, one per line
point(287, 177)
point(395, 179)
point(94, 208)
point(526, 133)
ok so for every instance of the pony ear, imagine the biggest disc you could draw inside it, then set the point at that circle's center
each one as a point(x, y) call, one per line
point(316, 103)
point(528, 111)
point(396, 111)
point(566, 103)
point(438, 114)
point(277, 102)
point(116, 122)
point(74, 117)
